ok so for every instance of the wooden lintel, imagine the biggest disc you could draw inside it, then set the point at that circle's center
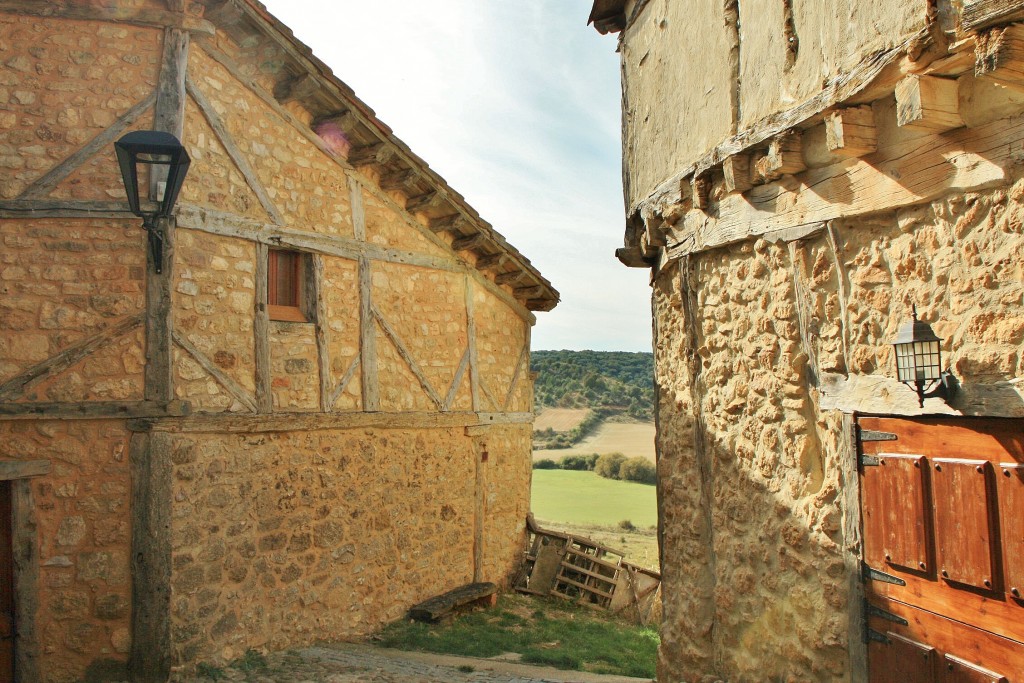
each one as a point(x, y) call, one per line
point(23, 469)
point(654, 230)
point(112, 13)
point(374, 153)
point(529, 292)
point(424, 201)
point(784, 157)
point(928, 103)
point(489, 261)
point(541, 304)
point(851, 131)
point(93, 410)
point(999, 56)
point(469, 242)
point(291, 422)
point(296, 88)
point(631, 257)
point(399, 180)
point(736, 171)
point(509, 278)
point(68, 208)
point(452, 223)
point(343, 119)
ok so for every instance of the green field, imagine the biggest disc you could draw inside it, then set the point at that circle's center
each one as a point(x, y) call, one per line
point(583, 498)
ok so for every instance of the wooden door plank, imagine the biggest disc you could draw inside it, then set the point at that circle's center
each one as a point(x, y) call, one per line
point(964, 536)
point(897, 518)
point(902, 660)
point(1010, 484)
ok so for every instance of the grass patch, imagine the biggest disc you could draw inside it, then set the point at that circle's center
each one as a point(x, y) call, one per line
point(584, 498)
point(548, 632)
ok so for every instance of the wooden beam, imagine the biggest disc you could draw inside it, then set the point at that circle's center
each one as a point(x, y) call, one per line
point(343, 383)
point(999, 56)
point(979, 14)
point(237, 391)
point(523, 360)
point(17, 385)
point(261, 332)
point(317, 293)
point(469, 242)
point(46, 183)
point(343, 119)
point(427, 200)
point(23, 469)
point(736, 170)
point(407, 356)
point(93, 410)
point(169, 110)
point(474, 361)
point(399, 180)
point(455, 222)
point(491, 261)
point(928, 103)
point(528, 292)
point(374, 153)
point(654, 230)
point(701, 188)
point(151, 473)
point(851, 131)
point(228, 142)
point(113, 13)
point(367, 340)
point(293, 422)
point(25, 537)
point(632, 257)
point(784, 157)
point(453, 389)
point(66, 208)
point(509, 278)
point(299, 88)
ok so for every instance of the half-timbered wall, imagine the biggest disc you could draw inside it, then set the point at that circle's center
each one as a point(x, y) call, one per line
point(211, 480)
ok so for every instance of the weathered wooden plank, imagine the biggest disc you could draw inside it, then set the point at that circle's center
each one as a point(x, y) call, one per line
point(65, 208)
point(999, 56)
point(299, 88)
point(114, 13)
point(17, 385)
point(455, 222)
point(159, 371)
point(345, 379)
point(150, 656)
point(523, 359)
point(233, 150)
point(46, 183)
point(509, 278)
point(355, 196)
point(371, 154)
point(290, 422)
point(406, 355)
point(474, 362)
point(928, 103)
point(489, 261)
point(25, 537)
point(902, 174)
point(469, 242)
point(438, 606)
point(261, 332)
point(367, 339)
point(169, 111)
point(736, 169)
point(399, 180)
point(851, 131)
point(317, 293)
point(849, 485)
point(882, 395)
point(93, 410)
point(490, 397)
point(979, 14)
point(453, 390)
point(22, 469)
point(237, 391)
point(427, 200)
point(784, 157)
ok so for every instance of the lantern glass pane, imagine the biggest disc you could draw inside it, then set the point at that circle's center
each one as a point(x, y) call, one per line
point(905, 366)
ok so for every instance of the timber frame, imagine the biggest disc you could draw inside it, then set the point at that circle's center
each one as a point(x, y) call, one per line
point(820, 158)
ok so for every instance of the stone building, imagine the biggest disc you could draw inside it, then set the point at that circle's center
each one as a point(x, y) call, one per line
point(315, 412)
point(799, 174)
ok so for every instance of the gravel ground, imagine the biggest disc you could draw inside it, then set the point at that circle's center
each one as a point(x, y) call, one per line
point(352, 663)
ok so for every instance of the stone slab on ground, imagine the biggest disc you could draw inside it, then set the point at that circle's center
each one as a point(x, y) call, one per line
point(356, 663)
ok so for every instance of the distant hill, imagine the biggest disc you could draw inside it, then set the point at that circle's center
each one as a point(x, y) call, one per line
point(608, 382)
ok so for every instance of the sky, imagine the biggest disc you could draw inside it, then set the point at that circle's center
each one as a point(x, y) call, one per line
point(516, 105)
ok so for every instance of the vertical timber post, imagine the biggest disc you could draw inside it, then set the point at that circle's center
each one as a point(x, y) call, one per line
point(261, 330)
point(853, 549)
point(474, 369)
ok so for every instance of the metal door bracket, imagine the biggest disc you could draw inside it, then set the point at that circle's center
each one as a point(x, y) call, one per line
point(869, 460)
point(871, 574)
point(873, 636)
point(873, 611)
point(871, 435)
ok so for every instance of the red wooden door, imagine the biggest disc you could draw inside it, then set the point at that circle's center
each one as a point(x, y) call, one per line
point(7, 630)
point(942, 502)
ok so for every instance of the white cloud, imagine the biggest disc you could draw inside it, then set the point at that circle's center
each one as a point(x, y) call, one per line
point(516, 105)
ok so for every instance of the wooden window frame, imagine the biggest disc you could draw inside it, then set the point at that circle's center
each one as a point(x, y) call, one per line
point(295, 310)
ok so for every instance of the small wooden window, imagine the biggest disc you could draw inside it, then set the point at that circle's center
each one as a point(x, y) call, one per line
point(286, 286)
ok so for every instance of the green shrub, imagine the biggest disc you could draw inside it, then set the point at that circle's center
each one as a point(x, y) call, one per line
point(608, 465)
point(638, 469)
point(576, 462)
point(545, 464)
point(626, 525)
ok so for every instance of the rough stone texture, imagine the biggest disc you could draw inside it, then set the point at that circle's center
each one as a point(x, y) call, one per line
point(81, 511)
point(387, 229)
point(295, 384)
point(284, 539)
point(341, 293)
point(501, 336)
point(752, 517)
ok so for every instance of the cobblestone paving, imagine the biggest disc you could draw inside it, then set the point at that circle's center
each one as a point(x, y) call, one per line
point(350, 663)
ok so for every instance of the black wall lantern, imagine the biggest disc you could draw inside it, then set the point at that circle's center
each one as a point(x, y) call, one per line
point(168, 163)
point(919, 361)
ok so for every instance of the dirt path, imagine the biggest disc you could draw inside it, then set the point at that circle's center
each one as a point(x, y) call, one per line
point(352, 663)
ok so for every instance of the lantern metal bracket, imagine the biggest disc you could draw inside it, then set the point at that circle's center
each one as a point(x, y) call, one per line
point(943, 388)
point(155, 237)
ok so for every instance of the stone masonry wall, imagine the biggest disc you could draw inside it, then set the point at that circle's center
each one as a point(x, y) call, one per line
point(752, 516)
point(286, 538)
point(83, 538)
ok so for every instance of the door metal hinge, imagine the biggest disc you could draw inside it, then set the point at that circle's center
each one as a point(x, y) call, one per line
point(869, 573)
point(871, 435)
point(873, 636)
point(874, 611)
point(869, 460)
